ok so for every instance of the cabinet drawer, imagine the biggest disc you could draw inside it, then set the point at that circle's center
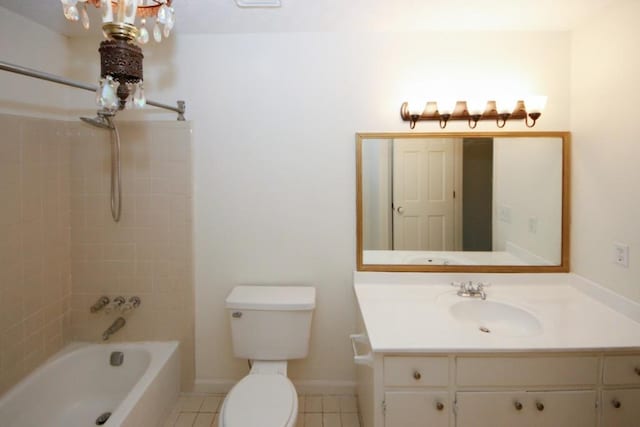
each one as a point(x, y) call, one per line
point(416, 371)
point(621, 408)
point(527, 371)
point(623, 370)
point(417, 409)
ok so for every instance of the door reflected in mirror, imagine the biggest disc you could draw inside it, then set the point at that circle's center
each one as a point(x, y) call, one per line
point(463, 201)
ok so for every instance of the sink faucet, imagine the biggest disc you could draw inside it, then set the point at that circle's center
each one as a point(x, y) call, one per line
point(468, 289)
point(115, 327)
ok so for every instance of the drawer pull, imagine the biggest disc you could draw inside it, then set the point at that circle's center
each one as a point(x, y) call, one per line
point(439, 406)
point(637, 370)
point(417, 375)
point(540, 406)
point(616, 403)
point(518, 405)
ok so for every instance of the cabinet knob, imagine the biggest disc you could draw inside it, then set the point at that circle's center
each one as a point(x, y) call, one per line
point(517, 405)
point(616, 403)
point(439, 406)
point(417, 375)
point(637, 370)
point(540, 406)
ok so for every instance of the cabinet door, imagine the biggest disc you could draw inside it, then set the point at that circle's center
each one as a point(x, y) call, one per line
point(563, 408)
point(491, 409)
point(416, 409)
point(621, 408)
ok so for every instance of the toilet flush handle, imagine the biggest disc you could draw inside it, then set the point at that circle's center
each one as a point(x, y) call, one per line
point(236, 314)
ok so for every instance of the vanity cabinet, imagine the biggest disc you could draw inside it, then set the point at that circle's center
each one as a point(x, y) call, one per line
point(526, 409)
point(417, 408)
point(621, 394)
point(489, 390)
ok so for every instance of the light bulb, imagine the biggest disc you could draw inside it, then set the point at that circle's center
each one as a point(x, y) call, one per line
point(131, 6)
point(535, 103)
point(506, 105)
point(446, 106)
point(416, 108)
point(107, 11)
point(476, 106)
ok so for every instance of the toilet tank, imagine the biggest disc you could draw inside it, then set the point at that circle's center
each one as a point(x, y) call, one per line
point(271, 322)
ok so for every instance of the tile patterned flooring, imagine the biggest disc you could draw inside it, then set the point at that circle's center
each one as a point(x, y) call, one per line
point(201, 410)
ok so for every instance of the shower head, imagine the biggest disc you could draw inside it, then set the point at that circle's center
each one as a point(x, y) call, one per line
point(102, 120)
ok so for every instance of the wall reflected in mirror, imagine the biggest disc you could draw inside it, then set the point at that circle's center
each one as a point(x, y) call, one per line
point(444, 200)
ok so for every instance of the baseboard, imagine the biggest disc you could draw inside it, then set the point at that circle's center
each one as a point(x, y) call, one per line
point(303, 387)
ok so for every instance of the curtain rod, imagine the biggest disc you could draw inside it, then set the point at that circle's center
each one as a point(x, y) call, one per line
point(30, 72)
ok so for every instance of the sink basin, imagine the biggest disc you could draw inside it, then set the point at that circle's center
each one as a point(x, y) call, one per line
point(493, 317)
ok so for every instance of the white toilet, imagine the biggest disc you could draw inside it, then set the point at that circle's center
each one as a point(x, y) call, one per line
point(269, 326)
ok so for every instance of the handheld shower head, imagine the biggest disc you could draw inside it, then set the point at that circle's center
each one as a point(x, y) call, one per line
point(102, 120)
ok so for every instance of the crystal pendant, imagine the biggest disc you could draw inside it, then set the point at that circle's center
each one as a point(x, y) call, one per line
point(143, 37)
point(99, 99)
point(157, 34)
point(139, 100)
point(131, 89)
point(84, 16)
point(166, 31)
point(163, 14)
point(109, 94)
point(71, 13)
point(171, 19)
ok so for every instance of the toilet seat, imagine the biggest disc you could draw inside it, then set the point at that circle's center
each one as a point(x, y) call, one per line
point(260, 400)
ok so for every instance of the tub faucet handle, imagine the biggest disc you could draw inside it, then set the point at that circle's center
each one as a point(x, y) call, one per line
point(134, 302)
point(100, 304)
point(115, 304)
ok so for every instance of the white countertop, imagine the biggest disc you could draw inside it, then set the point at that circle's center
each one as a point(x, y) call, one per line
point(415, 318)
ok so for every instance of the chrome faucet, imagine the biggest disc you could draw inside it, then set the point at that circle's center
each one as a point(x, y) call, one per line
point(115, 327)
point(468, 289)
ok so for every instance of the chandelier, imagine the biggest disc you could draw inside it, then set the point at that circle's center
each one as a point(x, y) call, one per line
point(124, 25)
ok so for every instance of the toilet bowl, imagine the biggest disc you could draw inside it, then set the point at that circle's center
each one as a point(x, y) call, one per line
point(269, 326)
point(264, 398)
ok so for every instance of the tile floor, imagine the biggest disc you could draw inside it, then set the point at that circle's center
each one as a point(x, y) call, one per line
point(201, 410)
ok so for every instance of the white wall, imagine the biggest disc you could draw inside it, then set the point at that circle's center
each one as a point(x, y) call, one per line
point(527, 182)
point(274, 119)
point(606, 147)
point(376, 194)
point(25, 43)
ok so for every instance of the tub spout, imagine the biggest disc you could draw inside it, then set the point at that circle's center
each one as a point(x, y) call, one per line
point(115, 327)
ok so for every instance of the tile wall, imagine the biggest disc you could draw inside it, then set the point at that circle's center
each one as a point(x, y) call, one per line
point(149, 252)
point(35, 281)
point(60, 250)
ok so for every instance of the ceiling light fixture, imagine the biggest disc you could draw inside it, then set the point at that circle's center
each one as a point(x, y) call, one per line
point(474, 110)
point(121, 76)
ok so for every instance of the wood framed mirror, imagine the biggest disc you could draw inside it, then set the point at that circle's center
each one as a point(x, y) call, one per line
point(463, 201)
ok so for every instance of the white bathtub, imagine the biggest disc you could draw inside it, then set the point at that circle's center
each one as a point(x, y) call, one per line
point(77, 385)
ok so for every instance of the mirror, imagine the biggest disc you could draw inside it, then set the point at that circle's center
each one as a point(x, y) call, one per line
point(485, 202)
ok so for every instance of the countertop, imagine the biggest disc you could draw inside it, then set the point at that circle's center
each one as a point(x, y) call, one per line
point(416, 318)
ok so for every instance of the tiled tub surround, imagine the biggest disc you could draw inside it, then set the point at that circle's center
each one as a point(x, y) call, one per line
point(149, 252)
point(60, 250)
point(35, 279)
point(580, 367)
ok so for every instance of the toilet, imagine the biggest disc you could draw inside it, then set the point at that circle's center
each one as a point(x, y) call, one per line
point(269, 326)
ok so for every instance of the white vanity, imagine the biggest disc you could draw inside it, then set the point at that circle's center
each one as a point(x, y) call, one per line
point(546, 350)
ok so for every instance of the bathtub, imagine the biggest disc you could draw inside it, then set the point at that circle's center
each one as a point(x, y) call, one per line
point(78, 384)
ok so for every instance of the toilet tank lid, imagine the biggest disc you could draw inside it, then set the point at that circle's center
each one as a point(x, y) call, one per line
point(289, 298)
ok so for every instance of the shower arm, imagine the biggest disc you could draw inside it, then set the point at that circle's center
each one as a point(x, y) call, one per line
point(30, 72)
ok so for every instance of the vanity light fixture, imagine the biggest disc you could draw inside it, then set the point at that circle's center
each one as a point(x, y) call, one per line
point(121, 74)
point(474, 110)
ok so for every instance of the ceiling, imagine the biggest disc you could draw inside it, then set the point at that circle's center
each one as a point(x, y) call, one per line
point(223, 16)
